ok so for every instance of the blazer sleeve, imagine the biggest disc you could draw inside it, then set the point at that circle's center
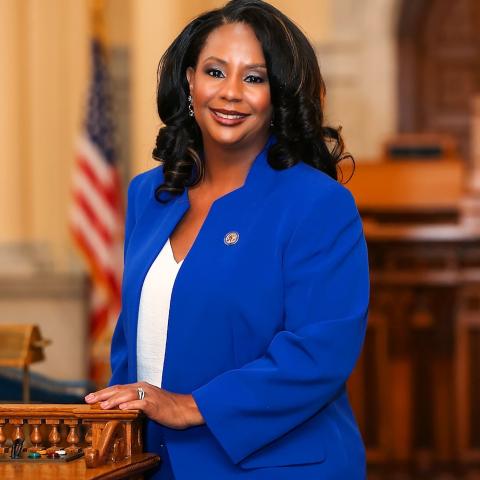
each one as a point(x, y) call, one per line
point(326, 283)
point(118, 349)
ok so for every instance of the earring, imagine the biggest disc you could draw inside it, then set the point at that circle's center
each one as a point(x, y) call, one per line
point(190, 106)
point(271, 123)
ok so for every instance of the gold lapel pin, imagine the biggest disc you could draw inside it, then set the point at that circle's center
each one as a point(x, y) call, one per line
point(231, 238)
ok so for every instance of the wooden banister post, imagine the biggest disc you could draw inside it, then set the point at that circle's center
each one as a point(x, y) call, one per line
point(470, 206)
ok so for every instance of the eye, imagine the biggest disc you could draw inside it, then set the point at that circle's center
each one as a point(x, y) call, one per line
point(254, 79)
point(214, 72)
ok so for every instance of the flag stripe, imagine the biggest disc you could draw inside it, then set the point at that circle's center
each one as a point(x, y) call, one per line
point(103, 279)
point(109, 192)
point(102, 230)
point(105, 214)
point(97, 248)
point(93, 156)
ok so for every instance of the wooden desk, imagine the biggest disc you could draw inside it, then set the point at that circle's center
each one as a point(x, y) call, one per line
point(132, 467)
point(408, 191)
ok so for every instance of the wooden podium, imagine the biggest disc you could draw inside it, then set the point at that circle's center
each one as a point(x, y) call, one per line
point(22, 345)
point(109, 442)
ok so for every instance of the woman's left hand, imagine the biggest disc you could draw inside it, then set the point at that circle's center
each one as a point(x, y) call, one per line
point(172, 410)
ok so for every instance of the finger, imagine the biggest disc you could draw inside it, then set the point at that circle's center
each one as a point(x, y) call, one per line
point(133, 405)
point(104, 394)
point(125, 395)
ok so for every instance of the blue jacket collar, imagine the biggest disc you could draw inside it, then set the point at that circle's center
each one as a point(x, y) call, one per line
point(255, 181)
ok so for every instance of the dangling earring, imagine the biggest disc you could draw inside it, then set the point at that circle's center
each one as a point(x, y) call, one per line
point(190, 106)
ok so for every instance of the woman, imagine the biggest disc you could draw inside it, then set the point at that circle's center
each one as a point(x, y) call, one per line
point(247, 247)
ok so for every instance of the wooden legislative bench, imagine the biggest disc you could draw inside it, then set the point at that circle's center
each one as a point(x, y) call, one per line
point(98, 444)
point(415, 390)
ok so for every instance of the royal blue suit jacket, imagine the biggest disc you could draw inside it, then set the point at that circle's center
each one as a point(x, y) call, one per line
point(263, 332)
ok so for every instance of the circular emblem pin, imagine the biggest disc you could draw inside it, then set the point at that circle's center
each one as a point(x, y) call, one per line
point(231, 238)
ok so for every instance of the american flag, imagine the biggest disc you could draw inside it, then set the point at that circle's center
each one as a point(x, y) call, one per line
point(96, 219)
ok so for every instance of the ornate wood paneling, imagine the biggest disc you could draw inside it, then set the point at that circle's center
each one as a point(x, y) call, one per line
point(468, 373)
point(416, 389)
point(439, 67)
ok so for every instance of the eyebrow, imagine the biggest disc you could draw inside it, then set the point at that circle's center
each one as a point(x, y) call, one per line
point(224, 62)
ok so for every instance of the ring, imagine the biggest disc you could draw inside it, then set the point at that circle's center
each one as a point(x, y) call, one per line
point(140, 393)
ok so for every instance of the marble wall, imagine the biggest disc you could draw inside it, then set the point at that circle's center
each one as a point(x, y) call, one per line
point(358, 60)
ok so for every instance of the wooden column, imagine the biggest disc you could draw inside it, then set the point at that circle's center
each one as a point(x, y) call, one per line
point(470, 204)
point(12, 129)
point(475, 146)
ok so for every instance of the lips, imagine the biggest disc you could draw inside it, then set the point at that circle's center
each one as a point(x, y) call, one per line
point(228, 117)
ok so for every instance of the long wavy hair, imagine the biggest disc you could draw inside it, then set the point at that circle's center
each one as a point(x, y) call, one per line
point(297, 93)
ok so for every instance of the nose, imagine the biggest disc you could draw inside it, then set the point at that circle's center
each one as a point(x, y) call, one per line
point(232, 89)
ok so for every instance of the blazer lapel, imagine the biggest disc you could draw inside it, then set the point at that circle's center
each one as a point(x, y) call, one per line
point(151, 232)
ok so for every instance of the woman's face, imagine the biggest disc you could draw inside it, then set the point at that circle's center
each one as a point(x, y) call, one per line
point(230, 89)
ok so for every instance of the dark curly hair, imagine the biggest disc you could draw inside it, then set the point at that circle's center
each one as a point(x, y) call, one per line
point(297, 93)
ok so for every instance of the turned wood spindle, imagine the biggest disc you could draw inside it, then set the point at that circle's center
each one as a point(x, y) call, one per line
point(54, 436)
point(18, 433)
point(73, 438)
point(88, 435)
point(35, 434)
point(3, 438)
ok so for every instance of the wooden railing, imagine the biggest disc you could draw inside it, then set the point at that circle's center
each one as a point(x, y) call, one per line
point(102, 435)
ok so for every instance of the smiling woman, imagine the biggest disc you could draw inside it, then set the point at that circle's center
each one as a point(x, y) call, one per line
point(229, 87)
point(246, 285)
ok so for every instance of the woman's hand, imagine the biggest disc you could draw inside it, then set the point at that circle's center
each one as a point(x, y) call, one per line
point(172, 410)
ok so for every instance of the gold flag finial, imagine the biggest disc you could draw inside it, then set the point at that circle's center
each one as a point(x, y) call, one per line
point(97, 20)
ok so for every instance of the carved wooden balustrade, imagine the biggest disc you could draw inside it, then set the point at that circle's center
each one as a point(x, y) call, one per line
point(103, 435)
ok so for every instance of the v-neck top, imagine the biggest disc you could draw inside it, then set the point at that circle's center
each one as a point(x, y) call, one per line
point(153, 315)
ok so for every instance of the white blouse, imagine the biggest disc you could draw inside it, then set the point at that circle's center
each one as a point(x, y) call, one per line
point(153, 316)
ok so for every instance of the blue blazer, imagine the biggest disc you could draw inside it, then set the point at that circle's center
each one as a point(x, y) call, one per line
point(264, 331)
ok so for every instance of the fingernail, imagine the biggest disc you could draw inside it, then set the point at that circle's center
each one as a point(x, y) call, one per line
point(104, 404)
point(121, 406)
point(90, 396)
